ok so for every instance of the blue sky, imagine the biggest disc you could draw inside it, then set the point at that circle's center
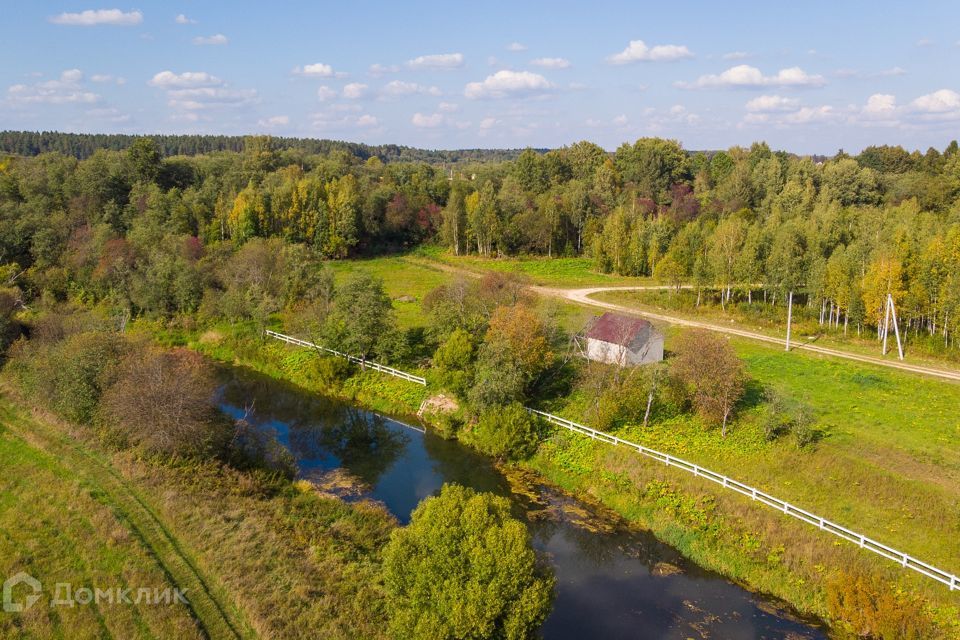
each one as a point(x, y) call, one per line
point(809, 77)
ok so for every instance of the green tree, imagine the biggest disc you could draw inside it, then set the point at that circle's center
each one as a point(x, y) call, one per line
point(508, 433)
point(453, 362)
point(362, 321)
point(464, 568)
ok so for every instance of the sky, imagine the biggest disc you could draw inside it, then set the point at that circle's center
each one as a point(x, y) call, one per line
point(807, 77)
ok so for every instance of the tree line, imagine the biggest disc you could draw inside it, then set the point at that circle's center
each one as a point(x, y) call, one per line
point(83, 145)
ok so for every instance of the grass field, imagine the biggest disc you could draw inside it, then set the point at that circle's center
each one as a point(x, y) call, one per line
point(551, 272)
point(406, 281)
point(257, 558)
point(61, 527)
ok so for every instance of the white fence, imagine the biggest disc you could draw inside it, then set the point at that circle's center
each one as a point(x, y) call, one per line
point(864, 542)
point(364, 363)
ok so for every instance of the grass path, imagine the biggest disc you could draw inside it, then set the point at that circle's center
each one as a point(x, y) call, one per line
point(208, 603)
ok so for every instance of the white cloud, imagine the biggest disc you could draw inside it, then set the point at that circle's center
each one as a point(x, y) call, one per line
point(71, 76)
point(621, 120)
point(551, 63)
point(210, 40)
point(804, 115)
point(106, 77)
point(378, 69)
point(880, 106)
point(437, 61)
point(516, 46)
point(746, 77)
point(448, 107)
point(736, 55)
point(781, 112)
point(489, 123)
point(944, 101)
point(925, 42)
point(65, 90)
point(638, 51)
point(508, 83)
point(326, 93)
point(199, 98)
point(893, 71)
point(182, 19)
point(193, 91)
point(274, 121)
point(427, 121)
point(93, 17)
point(354, 90)
point(317, 70)
point(169, 79)
point(109, 114)
point(331, 120)
point(397, 88)
point(770, 104)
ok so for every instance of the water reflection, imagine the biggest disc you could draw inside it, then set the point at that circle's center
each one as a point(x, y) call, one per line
point(611, 582)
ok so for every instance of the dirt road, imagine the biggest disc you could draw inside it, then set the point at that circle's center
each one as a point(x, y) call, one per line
point(583, 296)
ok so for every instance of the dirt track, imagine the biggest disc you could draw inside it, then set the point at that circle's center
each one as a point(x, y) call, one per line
point(583, 296)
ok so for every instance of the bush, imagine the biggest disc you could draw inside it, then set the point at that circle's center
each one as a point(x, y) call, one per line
point(332, 370)
point(161, 400)
point(447, 425)
point(508, 433)
point(68, 376)
point(784, 416)
point(464, 568)
point(867, 607)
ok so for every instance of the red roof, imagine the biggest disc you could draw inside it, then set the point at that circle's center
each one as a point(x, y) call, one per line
point(617, 329)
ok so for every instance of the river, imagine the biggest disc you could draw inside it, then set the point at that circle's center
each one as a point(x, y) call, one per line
point(612, 581)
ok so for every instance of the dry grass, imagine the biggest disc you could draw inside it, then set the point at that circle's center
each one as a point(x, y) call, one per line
point(272, 559)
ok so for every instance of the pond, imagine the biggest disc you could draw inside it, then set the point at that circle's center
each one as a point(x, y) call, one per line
point(612, 581)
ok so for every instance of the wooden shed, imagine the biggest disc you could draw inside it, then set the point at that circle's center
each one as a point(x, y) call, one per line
point(622, 340)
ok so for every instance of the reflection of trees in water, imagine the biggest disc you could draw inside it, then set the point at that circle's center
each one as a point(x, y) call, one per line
point(363, 442)
point(454, 462)
point(601, 548)
point(278, 401)
point(318, 427)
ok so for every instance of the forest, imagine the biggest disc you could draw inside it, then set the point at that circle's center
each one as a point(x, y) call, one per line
point(149, 233)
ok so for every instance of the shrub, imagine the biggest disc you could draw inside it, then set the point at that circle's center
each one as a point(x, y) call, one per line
point(867, 607)
point(68, 376)
point(162, 400)
point(509, 432)
point(784, 416)
point(464, 568)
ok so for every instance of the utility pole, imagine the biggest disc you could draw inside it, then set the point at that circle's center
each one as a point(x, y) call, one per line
point(896, 329)
point(789, 317)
